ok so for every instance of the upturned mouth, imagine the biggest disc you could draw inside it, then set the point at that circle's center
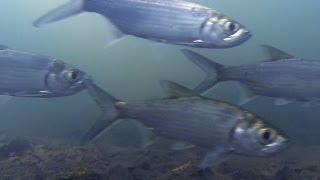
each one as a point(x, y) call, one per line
point(244, 34)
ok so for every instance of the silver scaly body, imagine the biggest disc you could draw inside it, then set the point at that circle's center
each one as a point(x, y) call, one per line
point(167, 21)
point(197, 120)
point(220, 127)
point(282, 76)
point(293, 79)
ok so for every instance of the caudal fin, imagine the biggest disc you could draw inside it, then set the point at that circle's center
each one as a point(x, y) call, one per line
point(72, 8)
point(109, 113)
point(209, 67)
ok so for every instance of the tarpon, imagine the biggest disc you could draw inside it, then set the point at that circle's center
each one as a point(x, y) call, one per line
point(26, 74)
point(283, 76)
point(220, 127)
point(166, 21)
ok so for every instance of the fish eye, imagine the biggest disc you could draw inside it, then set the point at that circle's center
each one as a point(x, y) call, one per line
point(266, 136)
point(231, 27)
point(73, 75)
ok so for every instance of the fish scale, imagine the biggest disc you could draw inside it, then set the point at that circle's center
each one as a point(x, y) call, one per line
point(202, 122)
point(148, 16)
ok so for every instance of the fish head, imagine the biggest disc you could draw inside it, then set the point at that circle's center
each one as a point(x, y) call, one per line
point(221, 32)
point(63, 79)
point(254, 137)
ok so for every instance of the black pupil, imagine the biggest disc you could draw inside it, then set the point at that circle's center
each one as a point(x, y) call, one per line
point(74, 75)
point(232, 27)
point(266, 135)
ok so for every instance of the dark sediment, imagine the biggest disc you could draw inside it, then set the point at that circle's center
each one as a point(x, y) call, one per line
point(30, 159)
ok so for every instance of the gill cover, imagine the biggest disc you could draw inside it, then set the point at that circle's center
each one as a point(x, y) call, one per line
point(254, 137)
point(63, 79)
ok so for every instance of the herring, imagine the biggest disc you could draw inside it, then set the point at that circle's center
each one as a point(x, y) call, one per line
point(193, 120)
point(283, 76)
point(166, 21)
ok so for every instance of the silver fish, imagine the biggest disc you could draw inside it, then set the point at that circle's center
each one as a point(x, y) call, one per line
point(220, 127)
point(26, 74)
point(283, 76)
point(167, 21)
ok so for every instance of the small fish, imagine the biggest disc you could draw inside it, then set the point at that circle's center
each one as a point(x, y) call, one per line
point(220, 127)
point(166, 21)
point(283, 76)
point(27, 74)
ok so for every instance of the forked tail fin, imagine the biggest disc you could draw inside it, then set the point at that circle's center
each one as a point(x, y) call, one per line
point(208, 66)
point(109, 113)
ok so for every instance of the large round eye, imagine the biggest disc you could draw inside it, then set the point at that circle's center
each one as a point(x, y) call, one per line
point(266, 136)
point(73, 75)
point(231, 27)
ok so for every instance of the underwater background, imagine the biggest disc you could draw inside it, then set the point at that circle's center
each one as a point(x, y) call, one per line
point(131, 68)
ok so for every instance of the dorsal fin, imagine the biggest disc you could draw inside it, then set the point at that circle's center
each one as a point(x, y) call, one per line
point(274, 53)
point(175, 90)
point(3, 47)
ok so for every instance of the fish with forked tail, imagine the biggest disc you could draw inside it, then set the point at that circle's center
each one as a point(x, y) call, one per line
point(283, 76)
point(189, 119)
point(166, 21)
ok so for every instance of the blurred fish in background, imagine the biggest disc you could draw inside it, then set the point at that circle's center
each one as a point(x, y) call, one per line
point(282, 76)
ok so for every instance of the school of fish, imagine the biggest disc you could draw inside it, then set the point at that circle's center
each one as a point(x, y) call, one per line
point(184, 116)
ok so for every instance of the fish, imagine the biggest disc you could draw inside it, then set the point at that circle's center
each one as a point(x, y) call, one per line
point(284, 77)
point(26, 74)
point(166, 21)
point(189, 119)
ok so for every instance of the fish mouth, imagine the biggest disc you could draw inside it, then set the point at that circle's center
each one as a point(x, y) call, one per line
point(241, 35)
point(276, 147)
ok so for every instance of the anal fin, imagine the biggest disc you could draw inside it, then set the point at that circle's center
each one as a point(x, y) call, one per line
point(245, 94)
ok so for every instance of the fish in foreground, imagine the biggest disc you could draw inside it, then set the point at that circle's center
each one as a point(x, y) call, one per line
point(192, 120)
point(166, 21)
point(27, 74)
point(283, 76)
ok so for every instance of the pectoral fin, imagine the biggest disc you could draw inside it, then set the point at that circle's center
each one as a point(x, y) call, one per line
point(115, 37)
point(213, 158)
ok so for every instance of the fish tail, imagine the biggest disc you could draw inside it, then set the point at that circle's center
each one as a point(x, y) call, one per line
point(72, 8)
point(109, 116)
point(210, 67)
